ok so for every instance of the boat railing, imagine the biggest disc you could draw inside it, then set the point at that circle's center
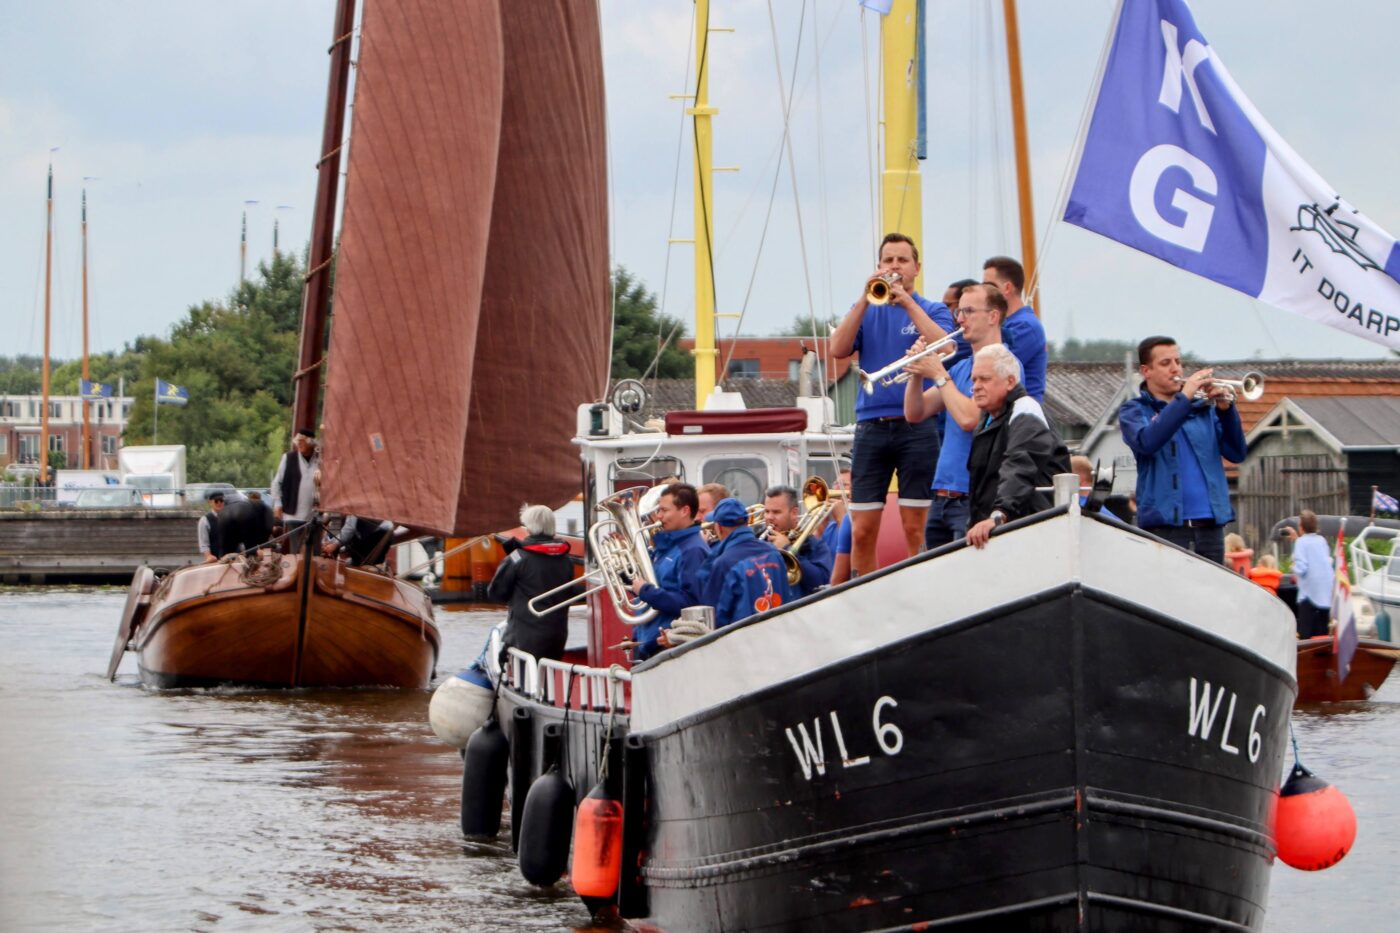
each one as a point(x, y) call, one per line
point(599, 689)
point(1372, 570)
point(523, 673)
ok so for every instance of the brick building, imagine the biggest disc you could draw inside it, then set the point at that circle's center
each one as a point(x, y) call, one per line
point(20, 429)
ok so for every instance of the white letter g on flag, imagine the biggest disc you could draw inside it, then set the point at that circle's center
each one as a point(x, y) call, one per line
point(1142, 190)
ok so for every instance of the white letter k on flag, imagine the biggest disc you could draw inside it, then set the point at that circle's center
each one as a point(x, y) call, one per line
point(1181, 68)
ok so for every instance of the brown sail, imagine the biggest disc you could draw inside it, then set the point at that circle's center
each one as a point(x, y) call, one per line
point(471, 301)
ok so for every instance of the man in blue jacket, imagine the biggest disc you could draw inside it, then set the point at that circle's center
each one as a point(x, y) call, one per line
point(780, 511)
point(1178, 440)
point(676, 555)
point(745, 575)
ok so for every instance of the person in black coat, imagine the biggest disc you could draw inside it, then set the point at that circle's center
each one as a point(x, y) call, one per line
point(1014, 449)
point(537, 566)
point(245, 524)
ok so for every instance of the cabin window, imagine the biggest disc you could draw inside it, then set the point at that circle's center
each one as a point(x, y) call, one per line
point(824, 467)
point(745, 477)
point(743, 369)
point(643, 471)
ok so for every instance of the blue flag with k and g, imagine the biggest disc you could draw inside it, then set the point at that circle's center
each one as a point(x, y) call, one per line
point(94, 391)
point(1179, 164)
point(168, 393)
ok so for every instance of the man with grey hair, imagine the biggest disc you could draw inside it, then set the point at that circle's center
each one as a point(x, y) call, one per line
point(1014, 449)
point(541, 563)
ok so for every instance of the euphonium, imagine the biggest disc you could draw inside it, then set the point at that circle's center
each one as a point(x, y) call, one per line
point(619, 544)
point(818, 501)
point(878, 289)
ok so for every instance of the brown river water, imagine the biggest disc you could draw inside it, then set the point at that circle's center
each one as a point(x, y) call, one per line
point(123, 808)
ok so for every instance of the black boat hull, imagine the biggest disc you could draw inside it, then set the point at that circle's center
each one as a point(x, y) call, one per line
point(947, 779)
point(1091, 742)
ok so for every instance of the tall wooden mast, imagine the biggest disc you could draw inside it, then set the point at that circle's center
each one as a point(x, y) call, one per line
point(86, 459)
point(1023, 159)
point(901, 186)
point(706, 356)
point(243, 251)
point(48, 319)
point(316, 295)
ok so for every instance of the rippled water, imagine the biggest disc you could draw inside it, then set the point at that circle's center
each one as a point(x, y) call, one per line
point(124, 808)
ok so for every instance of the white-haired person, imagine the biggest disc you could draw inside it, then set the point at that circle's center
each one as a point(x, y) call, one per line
point(538, 565)
point(1014, 448)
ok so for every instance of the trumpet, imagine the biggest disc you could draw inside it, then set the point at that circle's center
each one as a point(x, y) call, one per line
point(756, 522)
point(878, 289)
point(893, 374)
point(1250, 387)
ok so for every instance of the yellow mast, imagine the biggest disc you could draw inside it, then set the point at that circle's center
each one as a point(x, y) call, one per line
point(901, 187)
point(1023, 159)
point(85, 459)
point(705, 353)
point(48, 305)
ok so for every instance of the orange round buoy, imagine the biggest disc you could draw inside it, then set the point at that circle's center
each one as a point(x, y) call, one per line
point(1314, 825)
point(597, 865)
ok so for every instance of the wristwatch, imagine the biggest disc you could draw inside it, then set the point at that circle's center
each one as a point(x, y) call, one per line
point(940, 382)
point(998, 518)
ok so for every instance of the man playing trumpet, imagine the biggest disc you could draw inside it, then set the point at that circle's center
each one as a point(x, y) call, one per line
point(1178, 440)
point(885, 443)
point(980, 311)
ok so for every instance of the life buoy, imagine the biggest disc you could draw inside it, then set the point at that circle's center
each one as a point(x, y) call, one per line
point(484, 781)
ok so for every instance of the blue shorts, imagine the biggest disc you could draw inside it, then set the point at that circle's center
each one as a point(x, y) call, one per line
point(884, 448)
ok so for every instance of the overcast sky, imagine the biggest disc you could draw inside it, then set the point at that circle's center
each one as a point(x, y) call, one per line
point(184, 110)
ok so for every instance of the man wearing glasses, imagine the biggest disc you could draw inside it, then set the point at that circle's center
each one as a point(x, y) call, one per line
point(979, 313)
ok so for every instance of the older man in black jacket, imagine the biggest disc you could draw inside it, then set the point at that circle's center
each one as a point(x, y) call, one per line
point(1014, 449)
point(537, 566)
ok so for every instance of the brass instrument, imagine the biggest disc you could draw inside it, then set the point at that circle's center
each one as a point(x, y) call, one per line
point(894, 373)
point(1250, 388)
point(817, 500)
point(878, 289)
point(619, 544)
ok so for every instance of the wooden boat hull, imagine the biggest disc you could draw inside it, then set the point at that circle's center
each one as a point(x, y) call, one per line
point(321, 624)
point(1317, 670)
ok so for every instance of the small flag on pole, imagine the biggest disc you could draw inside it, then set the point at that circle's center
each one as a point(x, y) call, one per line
point(168, 393)
point(1344, 637)
point(94, 391)
point(1380, 502)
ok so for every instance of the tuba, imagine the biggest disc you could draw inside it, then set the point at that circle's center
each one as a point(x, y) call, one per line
point(619, 544)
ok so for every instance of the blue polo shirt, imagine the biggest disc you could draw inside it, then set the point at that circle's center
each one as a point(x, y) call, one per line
point(1024, 336)
point(886, 332)
point(951, 472)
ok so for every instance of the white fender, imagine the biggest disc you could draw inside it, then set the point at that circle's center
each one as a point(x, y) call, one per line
point(458, 708)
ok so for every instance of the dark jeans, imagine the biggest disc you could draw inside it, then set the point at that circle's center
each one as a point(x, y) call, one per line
point(947, 521)
point(1312, 620)
point(1207, 542)
point(883, 448)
